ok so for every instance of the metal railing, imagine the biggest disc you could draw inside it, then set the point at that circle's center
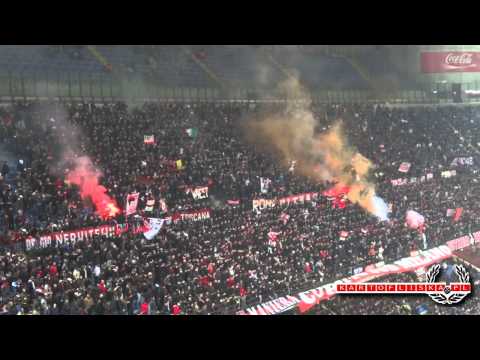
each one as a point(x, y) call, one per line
point(107, 86)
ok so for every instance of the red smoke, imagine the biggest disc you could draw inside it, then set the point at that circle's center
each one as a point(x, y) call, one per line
point(85, 175)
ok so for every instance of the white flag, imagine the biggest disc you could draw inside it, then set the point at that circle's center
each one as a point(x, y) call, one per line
point(132, 203)
point(292, 166)
point(155, 225)
point(264, 184)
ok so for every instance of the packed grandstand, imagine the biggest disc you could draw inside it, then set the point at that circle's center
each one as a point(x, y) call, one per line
point(174, 207)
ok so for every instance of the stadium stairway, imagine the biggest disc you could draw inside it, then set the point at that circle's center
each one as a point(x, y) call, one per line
point(211, 74)
point(100, 58)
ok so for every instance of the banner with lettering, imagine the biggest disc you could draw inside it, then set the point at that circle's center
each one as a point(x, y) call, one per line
point(466, 161)
point(308, 299)
point(413, 180)
point(450, 61)
point(110, 231)
point(261, 204)
point(198, 192)
point(72, 236)
point(197, 215)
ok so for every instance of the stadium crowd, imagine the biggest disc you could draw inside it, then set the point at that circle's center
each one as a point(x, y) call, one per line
point(224, 263)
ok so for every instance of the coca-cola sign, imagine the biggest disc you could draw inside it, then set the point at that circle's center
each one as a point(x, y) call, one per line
point(452, 61)
point(459, 60)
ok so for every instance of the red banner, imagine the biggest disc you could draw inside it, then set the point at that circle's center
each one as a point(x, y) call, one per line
point(459, 243)
point(453, 61)
point(307, 299)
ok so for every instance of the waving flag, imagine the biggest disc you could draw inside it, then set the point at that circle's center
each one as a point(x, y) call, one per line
point(132, 203)
point(163, 205)
point(284, 217)
point(150, 205)
point(198, 192)
point(404, 167)
point(273, 237)
point(154, 227)
point(336, 191)
point(415, 220)
point(292, 166)
point(339, 202)
point(192, 132)
point(458, 213)
point(338, 195)
point(149, 139)
point(179, 164)
point(264, 184)
point(462, 161)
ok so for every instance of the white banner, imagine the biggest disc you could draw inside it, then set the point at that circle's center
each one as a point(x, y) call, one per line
point(405, 181)
point(462, 161)
point(448, 173)
point(199, 192)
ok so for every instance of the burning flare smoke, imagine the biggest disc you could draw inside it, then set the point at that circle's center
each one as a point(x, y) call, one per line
point(86, 176)
point(323, 157)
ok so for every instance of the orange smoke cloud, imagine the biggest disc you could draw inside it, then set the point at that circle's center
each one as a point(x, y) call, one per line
point(324, 157)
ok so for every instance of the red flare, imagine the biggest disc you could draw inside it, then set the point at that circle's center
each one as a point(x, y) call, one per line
point(336, 191)
point(86, 177)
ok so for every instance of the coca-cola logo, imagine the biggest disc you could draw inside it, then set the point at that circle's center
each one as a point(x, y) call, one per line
point(459, 60)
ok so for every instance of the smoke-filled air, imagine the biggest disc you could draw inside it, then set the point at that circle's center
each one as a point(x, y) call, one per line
point(71, 162)
point(323, 157)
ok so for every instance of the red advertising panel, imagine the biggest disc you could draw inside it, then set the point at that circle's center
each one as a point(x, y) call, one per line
point(453, 61)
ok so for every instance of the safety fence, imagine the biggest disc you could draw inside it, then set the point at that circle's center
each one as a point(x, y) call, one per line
point(106, 86)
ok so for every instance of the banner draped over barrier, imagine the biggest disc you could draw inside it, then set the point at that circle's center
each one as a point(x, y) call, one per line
point(60, 238)
point(261, 204)
point(307, 299)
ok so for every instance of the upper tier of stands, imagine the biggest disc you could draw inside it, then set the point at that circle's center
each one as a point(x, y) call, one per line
point(170, 65)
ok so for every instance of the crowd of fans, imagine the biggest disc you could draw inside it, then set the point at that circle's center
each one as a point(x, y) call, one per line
point(225, 263)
